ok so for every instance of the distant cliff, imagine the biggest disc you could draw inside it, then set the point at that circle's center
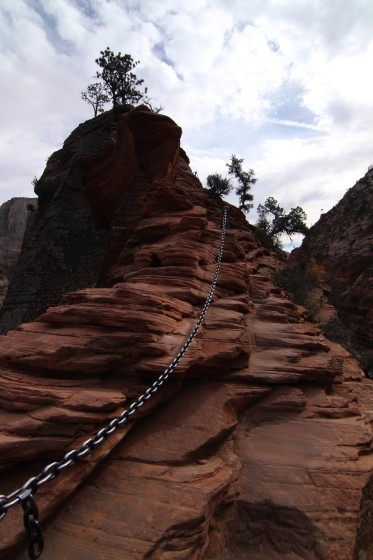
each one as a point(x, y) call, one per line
point(341, 246)
point(14, 215)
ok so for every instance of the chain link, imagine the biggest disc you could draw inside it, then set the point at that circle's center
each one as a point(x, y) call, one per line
point(24, 495)
point(3, 512)
point(31, 523)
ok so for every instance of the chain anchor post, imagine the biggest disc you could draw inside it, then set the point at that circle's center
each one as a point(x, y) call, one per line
point(31, 523)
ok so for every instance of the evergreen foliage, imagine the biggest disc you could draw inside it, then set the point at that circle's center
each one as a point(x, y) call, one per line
point(96, 96)
point(222, 186)
point(120, 82)
point(218, 184)
point(245, 180)
point(273, 221)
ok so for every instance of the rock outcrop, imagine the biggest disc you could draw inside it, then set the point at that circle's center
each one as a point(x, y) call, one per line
point(341, 246)
point(259, 446)
point(14, 216)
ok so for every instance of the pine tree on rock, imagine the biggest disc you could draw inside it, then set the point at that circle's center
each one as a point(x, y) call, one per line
point(218, 184)
point(245, 180)
point(273, 221)
point(120, 82)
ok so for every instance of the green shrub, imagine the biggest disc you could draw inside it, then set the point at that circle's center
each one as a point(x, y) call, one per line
point(265, 239)
point(366, 362)
point(296, 281)
point(313, 305)
point(299, 281)
point(337, 331)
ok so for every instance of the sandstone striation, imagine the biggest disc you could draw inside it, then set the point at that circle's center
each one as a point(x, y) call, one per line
point(341, 246)
point(258, 447)
point(15, 214)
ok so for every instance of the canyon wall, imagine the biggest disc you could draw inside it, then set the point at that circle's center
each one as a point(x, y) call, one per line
point(341, 245)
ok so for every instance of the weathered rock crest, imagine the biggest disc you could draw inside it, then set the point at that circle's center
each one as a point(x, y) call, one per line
point(260, 445)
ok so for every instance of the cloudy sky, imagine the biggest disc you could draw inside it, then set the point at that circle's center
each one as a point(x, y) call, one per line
point(284, 84)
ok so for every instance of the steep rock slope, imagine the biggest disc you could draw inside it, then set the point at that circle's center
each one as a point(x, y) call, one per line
point(14, 215)
point(260, 444)
point(341, 244)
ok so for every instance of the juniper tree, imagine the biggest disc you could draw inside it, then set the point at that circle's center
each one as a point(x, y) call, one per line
point(121, 83)
point(273, 221)
point(96, 96)
point(218, 184)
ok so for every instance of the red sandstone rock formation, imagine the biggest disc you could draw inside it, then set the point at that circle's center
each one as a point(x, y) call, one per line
point(260, 444)
point(341, 245)
point(14, 215)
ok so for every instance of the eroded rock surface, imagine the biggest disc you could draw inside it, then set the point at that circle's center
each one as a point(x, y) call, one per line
point(341, 246)
point(258, 447)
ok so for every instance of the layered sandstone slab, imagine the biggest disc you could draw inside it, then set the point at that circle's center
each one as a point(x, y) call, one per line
point(260, 444)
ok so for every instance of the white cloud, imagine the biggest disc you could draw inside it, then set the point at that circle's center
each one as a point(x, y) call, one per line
point(284, 85)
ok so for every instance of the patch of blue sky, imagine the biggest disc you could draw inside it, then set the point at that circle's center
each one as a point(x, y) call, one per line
point(273, 45)
point(241, 137)
point(51, 29)
point(287, 129)
point(87, 8)
point(160, 53)
point(288, 116)
point(238, 27)
point(288, 246)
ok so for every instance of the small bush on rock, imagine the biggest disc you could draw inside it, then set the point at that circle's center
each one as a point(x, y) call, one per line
point(336, 331)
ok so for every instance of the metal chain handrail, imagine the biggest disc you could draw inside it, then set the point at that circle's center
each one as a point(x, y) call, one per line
point(24, 495)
